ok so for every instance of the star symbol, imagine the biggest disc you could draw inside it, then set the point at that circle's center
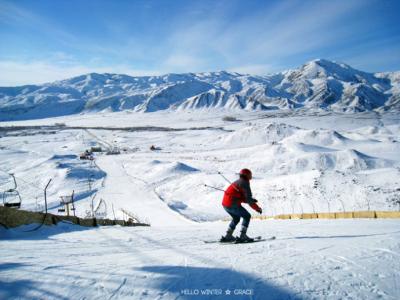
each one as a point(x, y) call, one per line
point(227, 292)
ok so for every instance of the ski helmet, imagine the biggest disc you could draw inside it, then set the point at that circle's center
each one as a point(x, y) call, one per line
point(246, 172)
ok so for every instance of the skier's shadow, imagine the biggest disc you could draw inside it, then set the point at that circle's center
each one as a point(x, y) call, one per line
point(188, 282)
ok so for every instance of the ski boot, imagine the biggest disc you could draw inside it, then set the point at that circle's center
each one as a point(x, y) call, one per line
point(228, 238)
point(243, 236)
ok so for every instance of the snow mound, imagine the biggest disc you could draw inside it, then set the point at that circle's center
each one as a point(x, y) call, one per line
point(343, 160)
point(256, 135)
point(370, 130)
point(157, 171)
point(173, 168)
point(312, 148)
point(181, 167)
point(319, 137)
point(354, 160)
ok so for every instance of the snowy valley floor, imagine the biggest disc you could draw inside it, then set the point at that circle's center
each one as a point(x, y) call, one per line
point(301, 163)
point(315, 259)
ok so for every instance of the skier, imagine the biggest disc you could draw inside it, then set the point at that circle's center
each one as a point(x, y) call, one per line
point(237, 193)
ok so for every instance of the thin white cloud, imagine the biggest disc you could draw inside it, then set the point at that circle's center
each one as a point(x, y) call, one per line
point(38, 72)
point(285, 29)
point(261, 69)
point(12, 14)
point(378, 60)
point(308, 28)
point(209, 38)
point(182, 62)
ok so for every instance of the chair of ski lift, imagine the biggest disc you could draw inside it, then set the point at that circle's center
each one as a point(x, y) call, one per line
point(62, 204)
point(12, 193)
point(12, 203)
point(65, 202)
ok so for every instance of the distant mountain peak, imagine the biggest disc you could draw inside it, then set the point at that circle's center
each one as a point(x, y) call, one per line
point(318, 84)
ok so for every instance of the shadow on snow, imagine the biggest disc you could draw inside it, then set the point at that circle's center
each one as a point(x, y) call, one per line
point(28, 232)
point(21, 288)
point(188, 282)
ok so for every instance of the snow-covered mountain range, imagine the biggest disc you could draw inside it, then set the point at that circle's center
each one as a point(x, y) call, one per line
point(319, 84)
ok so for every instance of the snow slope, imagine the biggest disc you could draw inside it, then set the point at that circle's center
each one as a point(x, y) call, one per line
point(318, 84)
point(318, 259)
point(302, 162)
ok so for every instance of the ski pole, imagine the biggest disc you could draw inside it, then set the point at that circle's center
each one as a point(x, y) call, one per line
point(224, 177)
point(228, 181)
point(215, 188)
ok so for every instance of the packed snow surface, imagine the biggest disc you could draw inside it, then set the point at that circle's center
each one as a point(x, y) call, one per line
point(318, 259)
point(301, 161)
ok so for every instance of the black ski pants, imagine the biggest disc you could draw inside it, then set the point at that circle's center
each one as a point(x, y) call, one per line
point(236, 213)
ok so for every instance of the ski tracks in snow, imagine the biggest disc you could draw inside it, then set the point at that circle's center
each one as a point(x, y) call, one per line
point(131, 193)
point(309, 260)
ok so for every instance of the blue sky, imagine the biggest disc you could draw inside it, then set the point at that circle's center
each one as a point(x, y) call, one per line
point(46, 40)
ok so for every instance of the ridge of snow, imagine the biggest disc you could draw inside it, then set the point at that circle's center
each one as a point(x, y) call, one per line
point(318, 84)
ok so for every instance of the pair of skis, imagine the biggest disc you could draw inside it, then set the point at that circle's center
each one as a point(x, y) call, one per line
point(239, 241)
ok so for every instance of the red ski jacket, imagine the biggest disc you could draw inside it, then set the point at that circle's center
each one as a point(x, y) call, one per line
point(239, 192)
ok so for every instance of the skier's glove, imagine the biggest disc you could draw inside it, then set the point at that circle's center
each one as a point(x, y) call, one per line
point(259, 210)
point(255, 200)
